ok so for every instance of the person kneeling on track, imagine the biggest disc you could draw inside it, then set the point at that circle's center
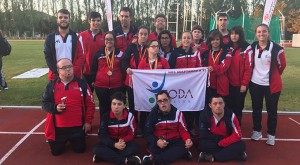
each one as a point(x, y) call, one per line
point(116, 134)
point(221, 138)
point(166, 133)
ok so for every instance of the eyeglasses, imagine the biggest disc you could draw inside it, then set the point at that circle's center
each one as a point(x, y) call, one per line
point(164, 38)
point(160, 20)
point(162, 101)
point(109, 39)
point(154, 46)
point(66, 67)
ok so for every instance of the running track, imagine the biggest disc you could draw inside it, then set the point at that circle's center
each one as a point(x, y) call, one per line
point(22, 141)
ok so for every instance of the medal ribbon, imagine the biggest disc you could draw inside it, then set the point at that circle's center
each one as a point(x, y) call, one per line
point(141, 55)
point(150, 65)
point(110, 61)
point(216, 57)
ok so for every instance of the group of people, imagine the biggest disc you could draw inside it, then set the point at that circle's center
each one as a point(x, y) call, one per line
point(102, 62)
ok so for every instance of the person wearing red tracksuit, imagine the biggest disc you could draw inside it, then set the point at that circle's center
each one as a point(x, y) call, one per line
point(218, 60)
point(126, 33)
point(116, 134)
point(63, 43)
point(152, 61)
point(198, 39)
point(166, 133)
point(106, 72)
point(92, 41)
point(240, 70)
point(160, 25)
point(166, 49)
point(221, 137)
point(70, 106)
point(185, 57)
point(268, 65)
point(134, 53)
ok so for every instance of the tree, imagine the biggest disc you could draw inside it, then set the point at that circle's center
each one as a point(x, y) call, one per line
point(294, 21)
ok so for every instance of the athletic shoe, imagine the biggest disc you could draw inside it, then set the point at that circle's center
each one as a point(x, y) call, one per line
point(134, 160)
point(243, 157)
point(271, 140)
point(188, 155)
point(205, 157)
point(5, 88)
point(256, 135)
point(147, 160)
point(96, 159)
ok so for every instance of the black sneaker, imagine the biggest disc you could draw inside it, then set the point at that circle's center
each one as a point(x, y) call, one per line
point(96, 159)
point(134, 160)
point(243, 157)
point(205, 157)
point(147, 160)
point(188, 155)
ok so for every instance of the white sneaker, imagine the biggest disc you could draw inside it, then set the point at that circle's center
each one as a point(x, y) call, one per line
point(256, 135)
point(271, 140)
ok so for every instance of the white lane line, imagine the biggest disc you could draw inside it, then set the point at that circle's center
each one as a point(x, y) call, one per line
point(294, 121)
point(20, 142)
point(277, 139)
point(21, 133)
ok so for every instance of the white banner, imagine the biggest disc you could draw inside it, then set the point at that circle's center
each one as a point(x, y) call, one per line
point(268, 11)
point(187, 87)
point(109, 14)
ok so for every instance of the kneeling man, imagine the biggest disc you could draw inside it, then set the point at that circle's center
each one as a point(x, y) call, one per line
point(166, 133)
point(221, 137)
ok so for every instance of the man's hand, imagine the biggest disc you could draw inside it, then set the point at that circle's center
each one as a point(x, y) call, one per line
point(162, 143)
point(120, 145)
point(188, 143)
point(61, 107)
point(243, 88)
point(87, 127)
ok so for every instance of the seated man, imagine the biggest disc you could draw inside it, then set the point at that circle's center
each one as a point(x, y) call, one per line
point(221, 138)
point(70, 106)
point(166, 133)
point(116, 134)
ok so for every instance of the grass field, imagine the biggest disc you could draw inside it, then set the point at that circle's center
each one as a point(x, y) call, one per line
point(27, 55)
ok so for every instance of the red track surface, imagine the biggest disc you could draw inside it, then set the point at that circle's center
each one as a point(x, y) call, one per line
point(35, 151)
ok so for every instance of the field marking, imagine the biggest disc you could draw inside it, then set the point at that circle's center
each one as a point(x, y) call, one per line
point(20, 142)
point(294, 121)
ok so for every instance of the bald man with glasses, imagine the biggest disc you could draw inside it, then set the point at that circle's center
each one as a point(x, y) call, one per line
point(70, 108)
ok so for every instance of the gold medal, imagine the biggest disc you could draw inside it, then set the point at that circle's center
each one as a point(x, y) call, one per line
point(109, 73)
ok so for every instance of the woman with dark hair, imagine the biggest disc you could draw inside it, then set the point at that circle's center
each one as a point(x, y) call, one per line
point(134, 54)
point(240, 70)
point(198, 39)
point(268, 65)
point(106, 72)
point(165, 42)
point(218, 60)
point(153, 60)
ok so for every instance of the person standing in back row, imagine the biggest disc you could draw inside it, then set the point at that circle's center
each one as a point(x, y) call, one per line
point(92, 40)
point(268, 65)
point(160, 22)
point(63, 43)
point(126, 33)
